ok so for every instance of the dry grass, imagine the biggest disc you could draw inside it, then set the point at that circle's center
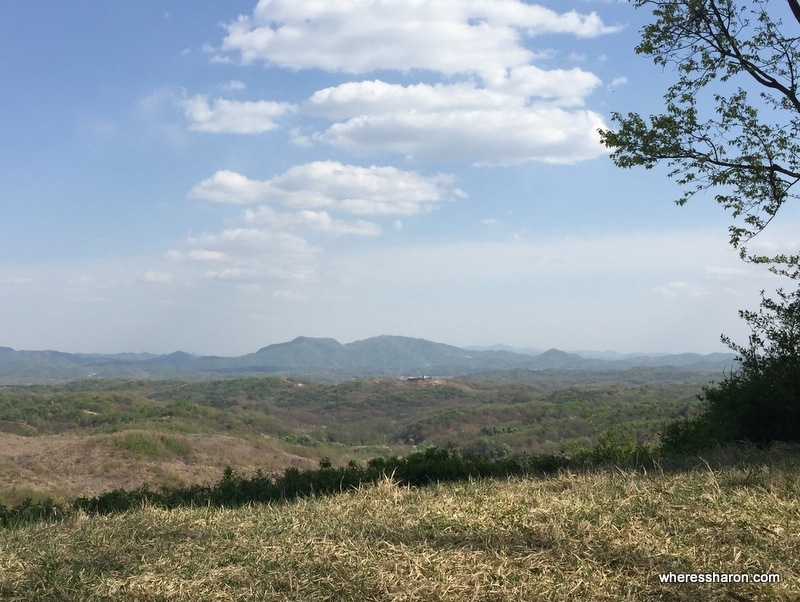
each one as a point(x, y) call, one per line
point(69, 466)
point(598, 536)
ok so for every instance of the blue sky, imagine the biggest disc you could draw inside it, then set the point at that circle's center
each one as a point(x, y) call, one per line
point(218, 176)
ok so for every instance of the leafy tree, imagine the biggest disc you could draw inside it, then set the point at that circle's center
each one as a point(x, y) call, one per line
point(732, 126)
point(761, 401)
point(732, 118)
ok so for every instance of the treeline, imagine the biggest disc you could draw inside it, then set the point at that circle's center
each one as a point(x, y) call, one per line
point(431, 465)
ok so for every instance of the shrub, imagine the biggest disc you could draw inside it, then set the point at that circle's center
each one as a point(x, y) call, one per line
point(139, 443)
point(760, 402)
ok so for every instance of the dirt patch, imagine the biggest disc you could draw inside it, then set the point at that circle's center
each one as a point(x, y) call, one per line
point(68, 466)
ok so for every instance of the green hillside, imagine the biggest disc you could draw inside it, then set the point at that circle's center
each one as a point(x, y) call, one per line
point(90, 436)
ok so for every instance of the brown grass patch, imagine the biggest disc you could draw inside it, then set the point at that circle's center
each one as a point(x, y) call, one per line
point(69, 466)
point(598, 536)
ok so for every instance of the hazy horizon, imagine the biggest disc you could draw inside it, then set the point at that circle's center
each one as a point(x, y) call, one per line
point(520, 349)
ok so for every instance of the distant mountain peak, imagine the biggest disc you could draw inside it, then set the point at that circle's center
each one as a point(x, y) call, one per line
point(384, 355)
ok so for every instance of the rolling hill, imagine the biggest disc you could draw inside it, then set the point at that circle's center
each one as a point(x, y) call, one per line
point(326, 358)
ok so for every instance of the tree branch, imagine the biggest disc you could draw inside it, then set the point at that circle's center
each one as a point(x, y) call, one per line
point(795, 6)
point(735, 53)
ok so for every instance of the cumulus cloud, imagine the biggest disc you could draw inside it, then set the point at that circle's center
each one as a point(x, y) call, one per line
point(461, 122)
point(473, 90)
point(497, 106)
point(353, 189)
point(562, 87)
point(361, 36)
point(566, 87)
point(230, 187)
point(379, 97)
point(251, 254)
point(483, 137)
point(314, 199)
point(233, 117)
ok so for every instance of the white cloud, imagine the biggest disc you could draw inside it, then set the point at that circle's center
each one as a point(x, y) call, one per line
point(460, 122)
point(321, 220)
point(254, 241)
point(247, 255)
point(378, 97)
point(233, 117)
point(231, 274)
point(565, 87)
point(352, 189)
point(197, 255)
point(361, 36)
point(505, 110)
point(266, 247)
point(230, 187)
point(234, 85)
point(314, 220)
point(562, 87)
point(483, 137)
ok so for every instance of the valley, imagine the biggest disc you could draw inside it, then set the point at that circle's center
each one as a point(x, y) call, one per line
point(86, 437)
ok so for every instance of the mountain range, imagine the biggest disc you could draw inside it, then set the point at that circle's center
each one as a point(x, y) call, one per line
point(394, 356)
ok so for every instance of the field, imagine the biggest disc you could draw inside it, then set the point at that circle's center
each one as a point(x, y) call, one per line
point(596, 535)
point(87, 437)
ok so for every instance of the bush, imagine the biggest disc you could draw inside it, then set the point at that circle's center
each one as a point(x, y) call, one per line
point(760, 402)
point(431, 465)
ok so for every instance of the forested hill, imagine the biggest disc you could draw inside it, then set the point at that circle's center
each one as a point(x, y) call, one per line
point(327, 358)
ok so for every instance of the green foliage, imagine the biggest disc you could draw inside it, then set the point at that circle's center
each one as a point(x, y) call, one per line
point(30, 511)
point(357, 416)
point(494, 429)
point(151, 445)
point(139, 443)
point(174, 446)
point(761, 401)
point(614, 446)
point(489, 448)
point(732, 56)
point(423, 467)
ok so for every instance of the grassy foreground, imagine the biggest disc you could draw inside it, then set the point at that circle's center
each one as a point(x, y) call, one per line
point(603, 535)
